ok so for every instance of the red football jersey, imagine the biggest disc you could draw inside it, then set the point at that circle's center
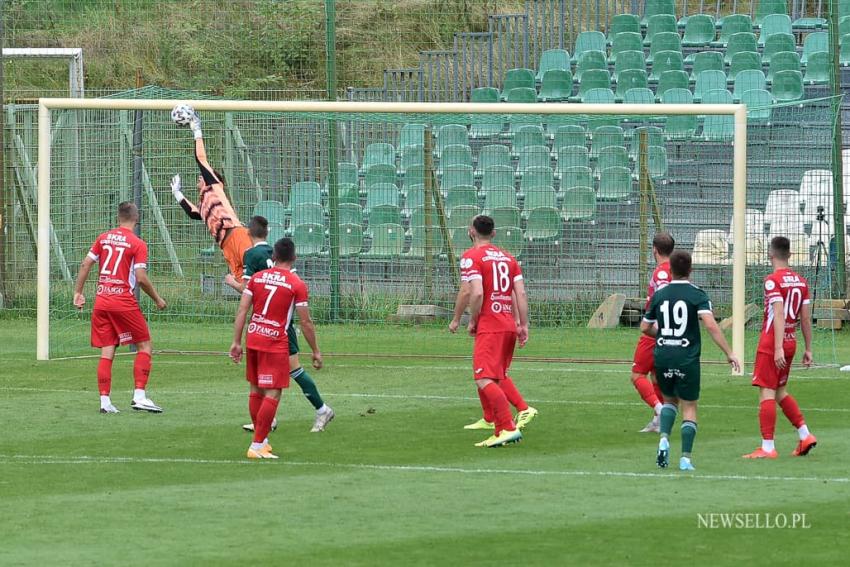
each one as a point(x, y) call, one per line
point(275, 293)
point(497, 271)
point(793, 290)
point(660, 277)
point(119, 252)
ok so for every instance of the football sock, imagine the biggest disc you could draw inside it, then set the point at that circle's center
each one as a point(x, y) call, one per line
point(256, 446)
point(667, 418)
point(142, 370)
point(324, 409)
point(792, 412)
point(767, 445)
point(104, 376)
point(105, 401)
point(485, 405)
point(308, 387)
point(501, 408)
point(803, 432)
point(514, 397)
point(138, 395)
point(264, 419)
point(255, 400)
point(689, 433)
point(767, 419)
point(646, 391)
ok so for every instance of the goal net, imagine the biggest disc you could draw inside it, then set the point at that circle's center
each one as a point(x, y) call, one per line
point(378, 197)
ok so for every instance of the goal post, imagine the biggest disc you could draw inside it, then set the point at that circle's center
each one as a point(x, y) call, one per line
point(463, 111)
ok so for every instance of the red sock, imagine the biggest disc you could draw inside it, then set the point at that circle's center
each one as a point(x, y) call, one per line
point(265, 416)
point(644, 388)
point(658, 395)
point(485, 405)
point(104, 376)
point(767, 418)
point(142, 370)
point(501, 408)
point(514, 397)
point(792, 411)
point(255, 400)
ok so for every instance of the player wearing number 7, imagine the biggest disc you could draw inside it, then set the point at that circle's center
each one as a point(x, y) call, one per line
point(116, 319)
point(673, 319)
point(786, 302)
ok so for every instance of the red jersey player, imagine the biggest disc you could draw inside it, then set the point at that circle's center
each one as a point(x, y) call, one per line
point(116, 318)
point(492, 287)
point(786, 303)
point(643, 365)
point(274, 295)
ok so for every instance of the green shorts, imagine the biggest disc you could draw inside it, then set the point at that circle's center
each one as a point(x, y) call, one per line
point(293, 340)
point(681, 382)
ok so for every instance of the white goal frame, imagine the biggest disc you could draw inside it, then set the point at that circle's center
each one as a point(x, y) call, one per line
point(74, 56)
point(739, 203)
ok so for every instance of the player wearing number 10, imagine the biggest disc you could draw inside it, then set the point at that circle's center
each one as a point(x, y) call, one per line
point(673, 319)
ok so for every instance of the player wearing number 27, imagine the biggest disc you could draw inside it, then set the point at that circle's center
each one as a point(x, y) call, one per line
point(492, 287)
point(786, 303)
point(116, 319)
point(673, 319)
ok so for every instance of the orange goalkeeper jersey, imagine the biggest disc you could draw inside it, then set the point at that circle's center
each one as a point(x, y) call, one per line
point(216, 211)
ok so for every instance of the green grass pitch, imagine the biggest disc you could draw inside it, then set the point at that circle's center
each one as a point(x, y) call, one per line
point(395, 479)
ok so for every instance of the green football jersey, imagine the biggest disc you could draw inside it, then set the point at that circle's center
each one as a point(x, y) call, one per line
point(256, 259)
point(676, 309)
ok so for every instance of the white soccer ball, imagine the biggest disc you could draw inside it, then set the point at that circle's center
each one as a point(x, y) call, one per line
point(182, 114)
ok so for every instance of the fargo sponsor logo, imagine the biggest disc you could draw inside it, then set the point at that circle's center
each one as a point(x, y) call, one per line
point(262, 331)
point(109, 290)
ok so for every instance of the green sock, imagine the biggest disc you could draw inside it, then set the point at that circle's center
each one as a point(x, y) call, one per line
point(667, 417)
point(689, 433)
point(308, 387)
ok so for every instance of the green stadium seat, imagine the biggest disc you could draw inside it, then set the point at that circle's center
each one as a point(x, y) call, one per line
point(588, 61)
point(383, 214)
point(657, 163)
point(539, 197)
point(273, 211)
point(787, 86)
point(522, 95)
point(777, 43)
point(308, 213)
point(414, 176)
point(484, 126)
point(659, 23)
point(411, 136)
point(654, 7)
point(571, 156)
point(458, 225)
point(517, 79)
point(382, 194)
point(485, 94)
point(599, 96)
point(310, 239)
point(418, 234)
point(767, 7)
point(743, 41)
point(625, 41)
point(666, 61)
point(411, 156)
point(493, 154)
point(654, 137)
point(680, 127)
point(664, 41)
point(639, 96)
point(544, 224)
point(347, 173)
point(588, 41)
point(387, 241)
point(450, 135)
point(844, 52)
point(378, 154)
point(349, 193)
point(615, 183)
point(718, 128)
point(843, 27)
point(350, 213)
point(557, 85)
point(611, 156)
point(622, 23)
point(671, 80)
point(306, 192)
point(414, 198)
point(629, 60)
point(553, 59)
point(605, 136)
point(497, 176)
point(817, 71)
point(535, 178)
point(533, 156)
point(456, 176)
point(576, 176)
point(526, 136)
point(500, 197)
point(505, 216)
point(630, 79)
point(709, 81)
point(350, 240)
point(455, 154)
point(579, 204)
point(743, 61)
point(706, 61)
point(699, 31)
point(807, 23)
point(774, 24)
point(843, 8)
point(593, 79)
point(732, 24)
point(462, 195)
point(568, 135)
point(379, 174)
point(814, 43)
point(510, 238)
point(783, 61)
point(759, 103)
point(747, 80)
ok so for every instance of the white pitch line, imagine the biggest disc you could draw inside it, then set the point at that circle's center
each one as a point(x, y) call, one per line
point(86, 460)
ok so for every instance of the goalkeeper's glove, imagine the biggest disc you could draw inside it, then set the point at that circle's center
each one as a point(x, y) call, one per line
point(195, 126)
point(175, 188)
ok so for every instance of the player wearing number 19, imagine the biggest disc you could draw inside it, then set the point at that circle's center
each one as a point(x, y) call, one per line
point(116, 319)
point(673, 319)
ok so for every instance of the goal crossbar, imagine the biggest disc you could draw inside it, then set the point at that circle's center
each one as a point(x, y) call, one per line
point(738, 111)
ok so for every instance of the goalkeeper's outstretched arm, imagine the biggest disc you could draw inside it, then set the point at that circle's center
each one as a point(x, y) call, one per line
point(187, 205)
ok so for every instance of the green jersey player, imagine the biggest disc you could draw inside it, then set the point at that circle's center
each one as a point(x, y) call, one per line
point(673, 319)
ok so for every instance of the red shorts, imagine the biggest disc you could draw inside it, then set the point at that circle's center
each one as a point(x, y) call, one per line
point(765, 372)
point(644, 360)
point(268, 370)
point(492, 355)
point(113, 328)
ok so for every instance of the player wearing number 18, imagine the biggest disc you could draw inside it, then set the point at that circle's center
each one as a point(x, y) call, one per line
point(673, 319)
